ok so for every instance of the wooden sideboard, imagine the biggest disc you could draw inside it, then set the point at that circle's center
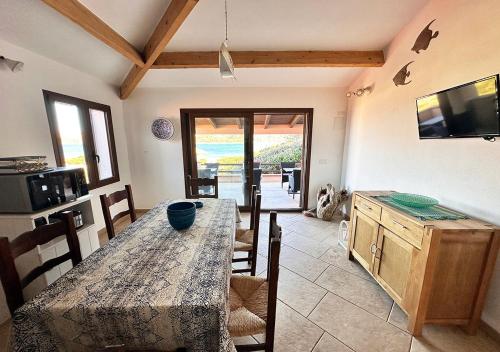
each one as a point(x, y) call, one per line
point(437, 271)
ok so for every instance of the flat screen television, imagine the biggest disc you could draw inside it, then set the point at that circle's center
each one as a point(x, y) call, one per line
point(469, 110)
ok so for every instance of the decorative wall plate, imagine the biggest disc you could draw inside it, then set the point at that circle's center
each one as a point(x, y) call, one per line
point(162, 129)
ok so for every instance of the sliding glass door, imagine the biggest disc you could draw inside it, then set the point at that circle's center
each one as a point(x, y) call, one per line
point(220, 144)
point(269, 148)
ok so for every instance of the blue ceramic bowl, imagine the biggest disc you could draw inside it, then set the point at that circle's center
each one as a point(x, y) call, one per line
point(181, 215)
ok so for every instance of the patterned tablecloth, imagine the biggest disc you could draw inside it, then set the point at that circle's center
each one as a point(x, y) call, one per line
point(150, 287)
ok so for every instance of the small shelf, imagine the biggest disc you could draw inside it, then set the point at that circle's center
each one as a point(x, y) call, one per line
point(47, 211)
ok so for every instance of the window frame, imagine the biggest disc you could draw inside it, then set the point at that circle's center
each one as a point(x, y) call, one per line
point(84, 107)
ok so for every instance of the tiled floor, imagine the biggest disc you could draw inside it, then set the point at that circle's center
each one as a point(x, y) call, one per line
point(273, 195)
point(327, 303)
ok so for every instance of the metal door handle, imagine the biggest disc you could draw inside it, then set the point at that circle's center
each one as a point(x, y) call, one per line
point(373, 248)
point(97, 157)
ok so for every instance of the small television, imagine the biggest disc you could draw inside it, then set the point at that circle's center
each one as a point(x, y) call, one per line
point(469, 110)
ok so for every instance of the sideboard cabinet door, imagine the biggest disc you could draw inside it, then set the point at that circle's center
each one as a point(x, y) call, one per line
point(364, 241)
point(392, 264)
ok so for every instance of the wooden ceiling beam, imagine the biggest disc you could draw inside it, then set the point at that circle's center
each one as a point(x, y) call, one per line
point(173, 18)
point(212, 122)
point(250, 59)
point(294, 120)
point(267, 121)
point(82, 16)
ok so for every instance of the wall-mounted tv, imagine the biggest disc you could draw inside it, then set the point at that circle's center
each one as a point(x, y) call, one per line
point(469, 110)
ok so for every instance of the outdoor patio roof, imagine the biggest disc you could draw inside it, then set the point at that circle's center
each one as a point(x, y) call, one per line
point(263, 124)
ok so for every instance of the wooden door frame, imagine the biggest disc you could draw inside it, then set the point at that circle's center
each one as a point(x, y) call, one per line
point(188, 147)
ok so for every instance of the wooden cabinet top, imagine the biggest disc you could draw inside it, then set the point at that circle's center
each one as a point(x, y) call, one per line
point(462, 224)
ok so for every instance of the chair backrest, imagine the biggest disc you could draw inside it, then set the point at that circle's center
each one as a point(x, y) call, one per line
point(113, 198)
point(212, 166)
point(256, 164)
point(13, 285)
point(193, 184)
point(287, 164)
point(252, 206)
point(272, 276)
point(255, 226)
point(296, 179)
point(257, 176)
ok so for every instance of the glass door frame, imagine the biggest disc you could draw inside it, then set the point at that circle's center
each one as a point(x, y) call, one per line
point(188, 131)
point(188, 143)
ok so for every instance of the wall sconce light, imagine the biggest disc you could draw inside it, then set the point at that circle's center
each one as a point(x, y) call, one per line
point(359, 92)
point(13, 65)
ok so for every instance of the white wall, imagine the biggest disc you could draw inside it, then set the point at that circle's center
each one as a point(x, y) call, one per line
point(157, 166)
point(24, 128)
point(383, 148)
point(24, 124)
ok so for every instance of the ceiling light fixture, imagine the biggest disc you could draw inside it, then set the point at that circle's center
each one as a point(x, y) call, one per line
point(226, 66)
point(14, 65)
point(358, 93)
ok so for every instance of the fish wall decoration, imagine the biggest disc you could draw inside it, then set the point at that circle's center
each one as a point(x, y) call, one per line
point(400, 77)
point(424, 38)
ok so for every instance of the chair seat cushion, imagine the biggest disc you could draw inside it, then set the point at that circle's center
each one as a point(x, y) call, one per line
point(244, 240)
point(242, 247)
point(244, 235)
point(248, 305)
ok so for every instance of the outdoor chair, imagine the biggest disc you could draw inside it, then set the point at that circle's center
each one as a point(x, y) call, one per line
point(294, 182)
point(285, 174)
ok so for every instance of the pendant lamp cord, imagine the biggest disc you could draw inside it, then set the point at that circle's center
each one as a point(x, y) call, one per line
point(225, 10)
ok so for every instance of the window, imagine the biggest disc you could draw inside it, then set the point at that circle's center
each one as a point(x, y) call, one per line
point(82, 135)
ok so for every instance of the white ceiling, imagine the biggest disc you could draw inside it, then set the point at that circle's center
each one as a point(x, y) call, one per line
point(253, 25)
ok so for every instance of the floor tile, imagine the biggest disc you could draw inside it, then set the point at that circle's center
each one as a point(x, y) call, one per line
point(301, 263)
point(298, 293)
point(261, 263)
point(337, 256)
point(362, 293)
point(328, 343)
point(309, 231)
point(294, 333)
point(244, 340)
point(452, 339)
point(398, 318)
point(357, 328)
point(307, 245)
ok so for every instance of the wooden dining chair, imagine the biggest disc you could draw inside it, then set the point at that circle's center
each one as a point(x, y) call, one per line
point(113, 198)
point(12, 284)
point(193, 184)
point(252, 300)
point(247, 240)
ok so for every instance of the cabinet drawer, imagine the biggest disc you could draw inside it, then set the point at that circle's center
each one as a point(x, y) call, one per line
point(369, 208)
point(404, 228)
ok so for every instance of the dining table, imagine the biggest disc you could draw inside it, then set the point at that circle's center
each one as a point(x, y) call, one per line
point(149, 288)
